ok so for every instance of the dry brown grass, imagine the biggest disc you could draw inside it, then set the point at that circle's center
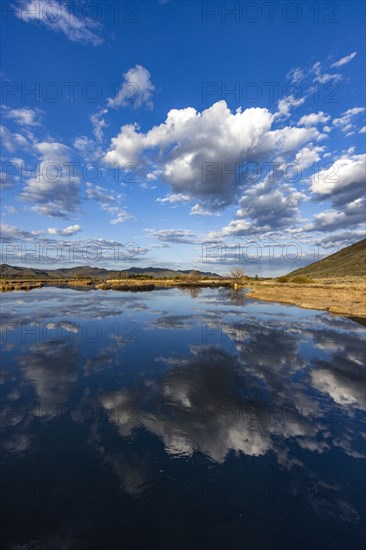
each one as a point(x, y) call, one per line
point(131, 284)
point(340, 296)
point(117, 284)
point(80, 282)
point(346, 296)
point(8, 286)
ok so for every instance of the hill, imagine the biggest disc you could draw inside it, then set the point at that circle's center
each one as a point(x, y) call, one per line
point(350, 261)
point(19, 272)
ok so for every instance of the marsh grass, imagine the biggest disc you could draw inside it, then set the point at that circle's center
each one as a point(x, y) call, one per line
point(343, 295)
point(302, 280)
point(8, 286)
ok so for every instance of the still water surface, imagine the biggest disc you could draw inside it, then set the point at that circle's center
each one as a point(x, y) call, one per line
point(179, 420)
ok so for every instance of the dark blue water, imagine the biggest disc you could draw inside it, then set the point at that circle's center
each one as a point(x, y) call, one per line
point(179, 420)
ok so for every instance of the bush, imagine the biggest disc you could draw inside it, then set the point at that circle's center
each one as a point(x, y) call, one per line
point(282, 279)
point(194, 276)
point(238, 275)
point(301, 280)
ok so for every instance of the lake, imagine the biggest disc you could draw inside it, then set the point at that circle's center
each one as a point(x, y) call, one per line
point(180, 419)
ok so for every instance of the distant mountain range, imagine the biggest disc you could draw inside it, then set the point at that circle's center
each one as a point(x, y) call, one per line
point(350, 261)
point(100, 273)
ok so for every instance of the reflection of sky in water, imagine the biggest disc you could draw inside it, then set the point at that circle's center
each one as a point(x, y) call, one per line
point(187, 411)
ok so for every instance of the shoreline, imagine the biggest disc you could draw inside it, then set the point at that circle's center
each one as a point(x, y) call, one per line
point(111, 284)
point(346, 297)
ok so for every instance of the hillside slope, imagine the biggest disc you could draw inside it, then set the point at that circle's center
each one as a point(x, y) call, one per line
point(350, 261)
point(87, 271)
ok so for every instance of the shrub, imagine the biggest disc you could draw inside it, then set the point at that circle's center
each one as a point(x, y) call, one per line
point(302, 280)
point(194, 276)
point(282, 279)
point(237, 274)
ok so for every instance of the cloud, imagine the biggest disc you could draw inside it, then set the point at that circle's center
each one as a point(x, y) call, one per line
point(110, 202)
point(174, 199)
point(268, 205)
point(98, 193)
point(305, 77)
point(136, 89)
point(343, 182)
point(323, 77)
point(285, 105)
point(54, 150)
point(307, 156)
point(350, 215)
point(12, 141)
point(296, 75)
point(40, 363)
point(56, 17)
point(344, 60)
point(313, 119)
point(99, 123)
point(270, 209)
point(227, 421)
point(345, 122)
point(70, 230)
point(180, 236)
point(55, 189)
point(87, 148)
point(119, 215)
point(308, 75)
point(14, 167)
point(65, 253)
point(199, 210)
point(10, 233)
point(343, 380)
point(24, 116)
point(273, 204)
point(236, 228)
point(10, 209)
point(199, 154)
point(342, 239)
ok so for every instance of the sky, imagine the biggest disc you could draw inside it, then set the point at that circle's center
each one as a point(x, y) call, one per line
point(184, 135)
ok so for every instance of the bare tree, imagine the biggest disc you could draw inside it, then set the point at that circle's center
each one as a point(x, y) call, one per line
point(237, 274)
point(194, 276)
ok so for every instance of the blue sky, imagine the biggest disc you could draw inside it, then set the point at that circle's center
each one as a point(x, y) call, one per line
point(179, 134)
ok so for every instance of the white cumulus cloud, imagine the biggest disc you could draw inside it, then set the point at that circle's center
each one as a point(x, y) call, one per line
point(197, 153)
point(70, 230)
point(136, 89)
point(344, 60)
point(56, 17)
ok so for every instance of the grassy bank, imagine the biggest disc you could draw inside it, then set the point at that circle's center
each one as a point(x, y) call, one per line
point(136, 285)
point(8, 286)
point(344, 296)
